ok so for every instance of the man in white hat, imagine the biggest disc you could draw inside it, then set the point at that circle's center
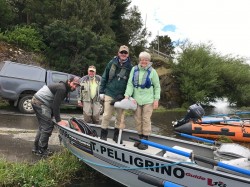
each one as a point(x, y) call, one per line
point(89, 97)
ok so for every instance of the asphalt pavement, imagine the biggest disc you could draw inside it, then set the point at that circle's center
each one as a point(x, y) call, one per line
point(17, 133)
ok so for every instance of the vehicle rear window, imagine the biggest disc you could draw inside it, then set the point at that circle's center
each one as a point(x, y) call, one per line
point(56, 77)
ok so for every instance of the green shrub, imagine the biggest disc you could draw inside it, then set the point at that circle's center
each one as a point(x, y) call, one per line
point(26, 37)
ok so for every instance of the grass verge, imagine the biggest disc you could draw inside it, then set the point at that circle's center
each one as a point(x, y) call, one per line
point(57, 170)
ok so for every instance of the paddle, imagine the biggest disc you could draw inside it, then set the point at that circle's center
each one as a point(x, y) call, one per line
point(156, 182)
point(193, 156)
point(218, 121)
point(246, 112)
point(245, 123)
point(236, 113)
point(239, 150)
point(199, 139)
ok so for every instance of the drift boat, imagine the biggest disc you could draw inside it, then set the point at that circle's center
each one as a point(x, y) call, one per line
point(167, 161)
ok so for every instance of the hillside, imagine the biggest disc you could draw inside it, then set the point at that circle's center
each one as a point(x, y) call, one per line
point(170, 93)
point(13, 53)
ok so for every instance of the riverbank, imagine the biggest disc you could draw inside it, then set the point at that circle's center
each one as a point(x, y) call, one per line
point(19, 167)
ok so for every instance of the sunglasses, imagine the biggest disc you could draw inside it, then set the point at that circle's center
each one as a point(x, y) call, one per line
point(123, 52)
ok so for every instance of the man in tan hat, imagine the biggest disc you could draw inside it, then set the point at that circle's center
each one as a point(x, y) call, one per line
point(113, 86)
point(89, 97)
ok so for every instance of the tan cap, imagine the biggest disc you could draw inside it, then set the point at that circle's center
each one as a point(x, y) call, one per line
point(92, 68)
point(124, 48)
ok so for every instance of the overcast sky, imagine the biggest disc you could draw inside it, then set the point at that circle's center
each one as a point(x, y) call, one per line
point(224, 23)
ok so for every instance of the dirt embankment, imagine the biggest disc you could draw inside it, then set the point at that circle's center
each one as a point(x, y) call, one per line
point(13, 53)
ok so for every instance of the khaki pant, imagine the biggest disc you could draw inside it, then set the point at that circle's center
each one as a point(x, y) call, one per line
point(143, 119)
point(108, 113)
point(91, 112)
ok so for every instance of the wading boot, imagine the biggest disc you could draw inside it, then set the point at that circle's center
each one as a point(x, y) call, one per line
point(116, 135)
point(104, 134)
point(44, 152)
point(142, 146)
point(34, 150)
point(136, 144)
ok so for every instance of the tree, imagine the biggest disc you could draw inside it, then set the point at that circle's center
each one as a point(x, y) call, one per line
point(204, 76)
point(94, 15)
point(236, 80)
point(7, 16)
point(121, 36)
point(73, 49)
point(135, 30)
point(164, 43)
point(89, 28)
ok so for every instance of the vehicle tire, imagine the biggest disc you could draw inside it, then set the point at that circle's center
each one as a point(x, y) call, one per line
point(24, 104)
point(101, 107)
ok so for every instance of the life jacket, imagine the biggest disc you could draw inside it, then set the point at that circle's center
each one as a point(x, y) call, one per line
point(146, 82)
point(120, 75)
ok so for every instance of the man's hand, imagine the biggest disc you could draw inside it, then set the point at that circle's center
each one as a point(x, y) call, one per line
point(63, 123)
point(80, 103)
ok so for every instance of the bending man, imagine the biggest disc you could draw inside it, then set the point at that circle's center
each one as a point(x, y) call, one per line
point(46, 104)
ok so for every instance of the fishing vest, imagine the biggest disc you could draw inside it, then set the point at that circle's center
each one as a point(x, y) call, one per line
point(120, 75)
point(146, 82)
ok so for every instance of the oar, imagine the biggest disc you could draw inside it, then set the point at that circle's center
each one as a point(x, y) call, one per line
point(236, 113)
point(199, 139)
point(246, 112)
point(218, 121)
point(156, 182)
point(216, 115)
point(193, 156)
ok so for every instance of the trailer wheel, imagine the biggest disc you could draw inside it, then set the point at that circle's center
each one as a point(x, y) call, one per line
point(24, 104)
